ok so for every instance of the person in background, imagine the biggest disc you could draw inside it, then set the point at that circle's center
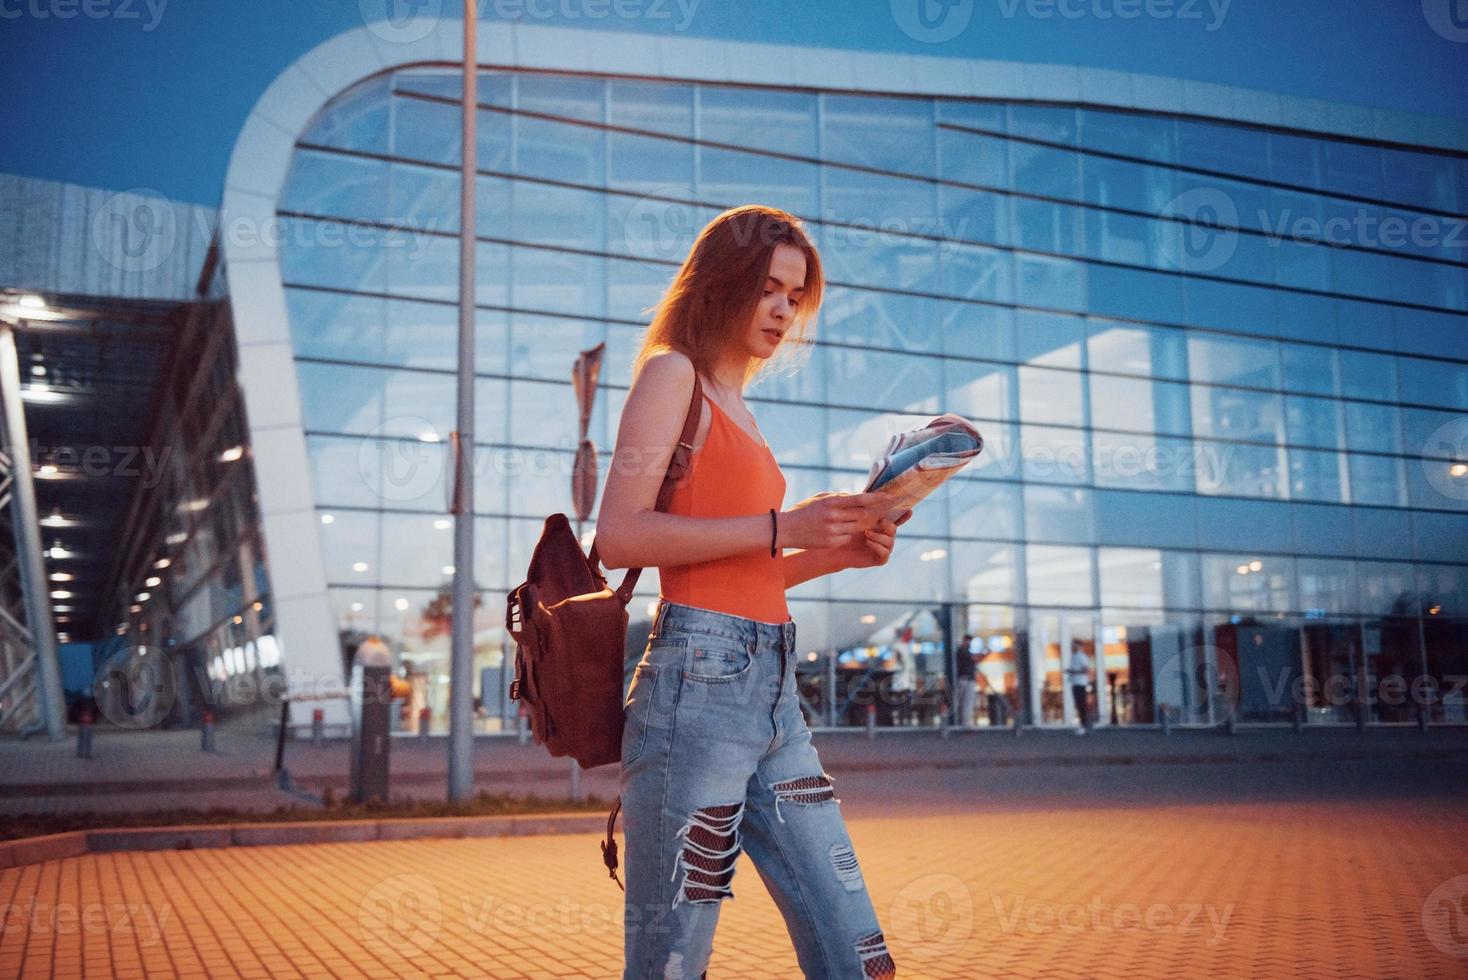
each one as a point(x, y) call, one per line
point(904, 674)
point(1078, 675)
point(968, 688)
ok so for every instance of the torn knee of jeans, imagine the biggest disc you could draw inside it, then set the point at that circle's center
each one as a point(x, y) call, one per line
point(843, 862)
point(876, 961)
point(711, 846)
point(804, 791)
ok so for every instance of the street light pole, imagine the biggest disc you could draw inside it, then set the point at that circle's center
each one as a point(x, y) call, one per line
point(461, 670)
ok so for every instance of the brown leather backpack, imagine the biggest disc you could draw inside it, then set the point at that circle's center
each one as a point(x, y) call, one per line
point(570, 632)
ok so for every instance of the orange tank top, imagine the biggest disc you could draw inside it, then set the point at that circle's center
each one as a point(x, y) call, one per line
point(731, 475)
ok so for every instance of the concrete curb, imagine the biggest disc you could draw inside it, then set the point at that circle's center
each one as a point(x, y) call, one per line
point(34, 850)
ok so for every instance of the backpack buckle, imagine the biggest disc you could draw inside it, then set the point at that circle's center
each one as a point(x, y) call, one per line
point(515, 689)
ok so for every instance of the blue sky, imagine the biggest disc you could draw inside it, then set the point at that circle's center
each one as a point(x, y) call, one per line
point(152, 93)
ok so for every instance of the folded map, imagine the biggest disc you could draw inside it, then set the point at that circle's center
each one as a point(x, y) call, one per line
point(916, 463)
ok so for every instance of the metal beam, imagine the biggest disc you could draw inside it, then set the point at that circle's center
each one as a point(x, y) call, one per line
point(27, 524)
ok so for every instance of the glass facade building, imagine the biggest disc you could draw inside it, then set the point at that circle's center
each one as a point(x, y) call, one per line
point(1221, 369)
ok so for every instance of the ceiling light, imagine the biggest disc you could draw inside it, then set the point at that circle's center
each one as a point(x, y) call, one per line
point(194, 505)
point(327, 518)
point(62, 594)
point(135, 608)
point(57, 519)
point(1458, 469)
point(143, 596)
point(400, 604)
point(30, 301)
point(448, 569)
point(1242, 569)
point(443, 524)
point(38, 370)
point(163, 563)
point(359, 566)
point(428, 437)
point(62, 577)
point(1256, 565)
point(356, 607)
point(231, 454)
point(869, 619)
point(177, 537)
point(153, 580)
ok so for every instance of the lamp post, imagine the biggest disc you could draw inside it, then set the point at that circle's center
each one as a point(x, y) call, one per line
point(461, 668)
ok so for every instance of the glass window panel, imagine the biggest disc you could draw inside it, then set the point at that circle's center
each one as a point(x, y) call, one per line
point(973, 216)
point(973, 272)
point(1366, 375)
point(1131, 578)
point(1134, 293)
point(1047, 281)
point(796, 435)
point(1317, 476)
point(1327, 586)
point(801, 379)
point(648, 164)
point(887, 133)
point(883, 380)
point(559, 282)
point(1420, 178)
point(1442, 383)
point(1045, 170)
point(549, 215)
point(1044, 226)
point(1429, 433)
point(430, 131)
point(873, 318)
point(1050, 339)
point(867, 255)
point(560, 95)
point(733, 176)
point(1131, 349)
point(1139, 405)
point(349, 548)
point(983, 508)
point(1059, 576)
point(547, 149)
point(356, 119)
point(1000, 459)
point(545, 347)
point(1248, 582)
point(978, 330)
point(978, 389)
point(1220, 146)
point(1444, 588)
point(414, 551)
point(337, 398)
point(1386, 588)
point(1373, 427)
point(1233, 361)
point(1149, 137)
point(1229, 413)
point(1353, 168)
point(758, 117)
point(906, 576)
point(1234, 469)
point(1054, 455)
point(1058, 514)
point(1124, 184)
point(1137, 461)
point(1309, 369)
point(1377, 480)
point(1048, 396)
point(1313, 422)
point(1128, 239)
point(1306, 317)
point(983, 572)
point(544, 414)
point(973, 158)
point(1359, 274)
point(334, 186)
point(339, 477)
point(659, 106)
point(1431, 484)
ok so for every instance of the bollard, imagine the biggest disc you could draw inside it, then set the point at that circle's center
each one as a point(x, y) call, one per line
point(1360, 716)
point(943, 724)
point(84, 734)
point(1164, 711)
point(1422, 718)
point(1228, 724)
point(318, 725)
point(871, 722)
point(522, 726)
point(425, 718)
point(1017, 723)
point(206, 732)
point(1298, 721)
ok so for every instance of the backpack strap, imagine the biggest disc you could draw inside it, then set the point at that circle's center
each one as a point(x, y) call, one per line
point(609, 846)
point(677, 468)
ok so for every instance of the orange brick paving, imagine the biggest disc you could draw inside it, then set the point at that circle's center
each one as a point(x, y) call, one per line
point(1257, 890)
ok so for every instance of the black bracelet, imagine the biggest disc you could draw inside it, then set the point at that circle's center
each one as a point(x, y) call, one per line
point(774, 531)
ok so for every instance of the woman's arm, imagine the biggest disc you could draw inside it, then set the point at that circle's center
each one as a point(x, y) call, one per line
point(873, 547)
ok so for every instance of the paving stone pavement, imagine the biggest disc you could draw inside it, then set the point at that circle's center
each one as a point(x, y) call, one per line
point(1223, 889)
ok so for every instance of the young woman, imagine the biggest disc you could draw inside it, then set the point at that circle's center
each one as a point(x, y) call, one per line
point(716, 756)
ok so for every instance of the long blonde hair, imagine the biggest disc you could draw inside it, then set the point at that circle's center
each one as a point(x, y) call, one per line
point(716, 292)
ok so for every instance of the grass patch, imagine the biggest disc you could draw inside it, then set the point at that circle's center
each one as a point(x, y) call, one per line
point(483, 805)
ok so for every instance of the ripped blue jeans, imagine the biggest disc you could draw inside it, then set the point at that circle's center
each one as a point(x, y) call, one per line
point(717, 761)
